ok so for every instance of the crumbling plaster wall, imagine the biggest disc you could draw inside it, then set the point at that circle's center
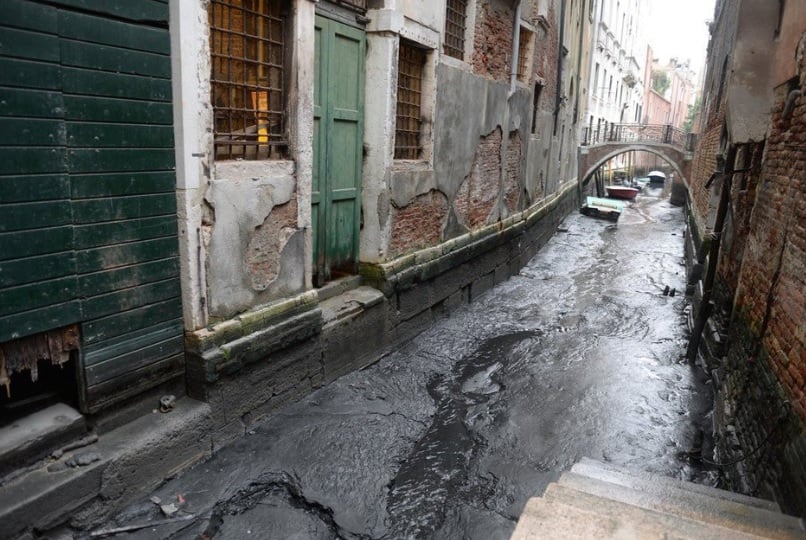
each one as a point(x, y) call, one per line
point(244, 225)
point(473, 100)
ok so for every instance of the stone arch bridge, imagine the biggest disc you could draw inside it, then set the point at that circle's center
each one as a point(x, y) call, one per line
point(673, 145)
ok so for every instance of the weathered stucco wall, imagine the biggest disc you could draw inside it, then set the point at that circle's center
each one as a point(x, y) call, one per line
point(244, 225)
point(485, 157)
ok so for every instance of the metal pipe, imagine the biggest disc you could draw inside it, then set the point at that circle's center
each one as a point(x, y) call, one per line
point(516, 48)
point(790, 104)
point(560, 54)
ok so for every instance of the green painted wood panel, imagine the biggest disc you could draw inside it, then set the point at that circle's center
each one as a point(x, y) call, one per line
point(88, 229)
point(127, 276)
point(128, 230)
point(102, 351)
point(94, 135)
point(25, 74)
point(120, 324)
point(26, 14)
point(34, 215)
point(106, 31)
point(133, 382)
point(31, 269)
point(114, 59)
point(80, 81)
point(33, 188)
point(36, 295)
point(147, 12)
point(93, 260)
point(123, 300)
point(117, 110)
point(21, 244)
point(115, 367)
point(32, 132)
point(338, 146)
point(47, 318)
point(18, 43)
point(131, 183)
point(22, 102)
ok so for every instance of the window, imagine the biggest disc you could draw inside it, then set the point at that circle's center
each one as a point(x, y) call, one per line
point(408, 120)
point(455, 15)
point(248, 77)
point(524, 53)
point(536, 103)
point(596, 88)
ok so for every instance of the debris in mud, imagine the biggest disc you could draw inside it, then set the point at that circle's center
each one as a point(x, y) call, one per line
point(83, 459)
point(167, 403)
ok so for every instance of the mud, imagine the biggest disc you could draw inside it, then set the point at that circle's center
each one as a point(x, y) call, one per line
point(579, 355)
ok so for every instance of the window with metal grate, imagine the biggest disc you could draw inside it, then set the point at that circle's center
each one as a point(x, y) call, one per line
point(248, 77)
point(455, 17)
point(408, 118)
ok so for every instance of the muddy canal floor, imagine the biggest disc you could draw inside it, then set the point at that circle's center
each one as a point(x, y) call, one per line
point(579, 355)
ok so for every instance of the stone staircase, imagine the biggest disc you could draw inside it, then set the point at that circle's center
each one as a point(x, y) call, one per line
point(600, 500)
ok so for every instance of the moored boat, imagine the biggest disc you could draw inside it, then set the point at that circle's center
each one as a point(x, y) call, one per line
point(598, 207)
point(656, 177)
point(621, 192)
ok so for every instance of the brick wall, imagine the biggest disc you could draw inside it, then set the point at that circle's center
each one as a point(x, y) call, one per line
point(492, 46)
point(761, 382)
point(771, 287)
point(477, 195)
point(419, 224)
point(512, 180)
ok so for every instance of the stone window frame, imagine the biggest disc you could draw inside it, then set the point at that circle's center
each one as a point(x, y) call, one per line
point(526, 46)
point(469, 38)
point(276, 143)
point(427, 103)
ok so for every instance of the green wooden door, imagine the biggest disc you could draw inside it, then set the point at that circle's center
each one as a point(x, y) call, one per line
point(338, 147)
point(88, 231)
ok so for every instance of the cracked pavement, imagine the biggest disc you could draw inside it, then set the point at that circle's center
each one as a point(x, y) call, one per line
point(581, 354)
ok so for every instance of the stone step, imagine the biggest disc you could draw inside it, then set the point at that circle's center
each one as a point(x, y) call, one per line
point(691, 505)
point(640, 480)
point(662, 525)
point(543, 518)
point(32, 437)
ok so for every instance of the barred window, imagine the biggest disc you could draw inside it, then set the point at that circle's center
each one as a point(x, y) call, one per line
point(524, 53)
point(455, 16)
point(248, 76)
point(408, 121)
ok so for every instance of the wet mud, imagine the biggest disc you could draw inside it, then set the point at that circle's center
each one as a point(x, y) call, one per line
point(581, 354)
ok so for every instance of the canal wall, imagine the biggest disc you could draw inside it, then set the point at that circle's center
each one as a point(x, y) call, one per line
point(754, 341)
point(256, 363)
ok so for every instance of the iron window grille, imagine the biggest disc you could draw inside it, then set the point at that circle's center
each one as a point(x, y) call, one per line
point(408, 121)
point(525, 43)
point(455, 16)
point(248, 77)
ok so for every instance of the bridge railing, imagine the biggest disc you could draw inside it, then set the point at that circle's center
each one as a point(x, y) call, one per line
point(632, 133)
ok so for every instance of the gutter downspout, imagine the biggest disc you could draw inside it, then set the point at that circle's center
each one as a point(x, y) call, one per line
point(513, 77)
point(560, 55)
point(516, 48)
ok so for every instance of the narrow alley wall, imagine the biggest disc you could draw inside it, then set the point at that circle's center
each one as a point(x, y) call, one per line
point(756, 340)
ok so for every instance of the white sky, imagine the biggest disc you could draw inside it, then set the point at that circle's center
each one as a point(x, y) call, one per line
point(677, 29)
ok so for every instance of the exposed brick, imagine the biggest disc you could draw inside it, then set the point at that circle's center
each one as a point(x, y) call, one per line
point(419, 224)
point(478, 193)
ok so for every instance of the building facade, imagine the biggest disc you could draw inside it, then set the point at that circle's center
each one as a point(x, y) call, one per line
point(214, 197)
point(747, 245)
point(618, 63)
